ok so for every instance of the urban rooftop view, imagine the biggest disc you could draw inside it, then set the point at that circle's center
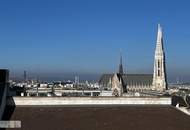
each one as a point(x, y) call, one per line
point(94, 65)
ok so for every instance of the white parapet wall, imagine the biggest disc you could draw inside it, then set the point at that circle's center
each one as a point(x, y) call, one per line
point(87, 101)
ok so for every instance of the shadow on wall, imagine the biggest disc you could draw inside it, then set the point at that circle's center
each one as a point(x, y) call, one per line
point(9, 109)
point(8, 112)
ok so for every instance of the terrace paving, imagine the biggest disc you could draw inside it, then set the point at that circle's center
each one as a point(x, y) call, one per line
point(98, 117)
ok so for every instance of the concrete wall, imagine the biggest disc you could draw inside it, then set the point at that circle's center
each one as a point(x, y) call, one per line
point(87, 101)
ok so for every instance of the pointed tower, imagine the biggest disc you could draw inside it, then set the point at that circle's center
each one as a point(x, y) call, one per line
point(117, 87)
point(121, 65)
point(159, 77)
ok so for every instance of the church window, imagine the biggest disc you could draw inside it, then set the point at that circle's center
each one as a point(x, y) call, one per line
point(158, 72)
point(158, 63)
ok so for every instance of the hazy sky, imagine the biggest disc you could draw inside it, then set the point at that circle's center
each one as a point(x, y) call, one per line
point(67, 37)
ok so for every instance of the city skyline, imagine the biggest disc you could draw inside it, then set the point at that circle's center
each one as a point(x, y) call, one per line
point(66, 38)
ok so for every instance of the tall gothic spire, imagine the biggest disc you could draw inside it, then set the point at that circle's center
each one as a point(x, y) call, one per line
point(159, 77)
point(121, 65)
point(159, 44)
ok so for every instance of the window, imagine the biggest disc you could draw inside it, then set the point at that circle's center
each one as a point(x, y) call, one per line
point(158, 63)
point(158, 72)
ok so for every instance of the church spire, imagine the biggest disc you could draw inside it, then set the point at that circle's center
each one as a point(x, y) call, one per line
point(159, 77)
point(159, 44)
point(121, 65)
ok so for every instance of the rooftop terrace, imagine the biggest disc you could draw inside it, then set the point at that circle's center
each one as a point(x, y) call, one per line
point(132, 117)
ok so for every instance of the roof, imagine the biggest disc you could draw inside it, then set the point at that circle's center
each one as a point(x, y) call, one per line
point(98, 117)
point(104, 79)
point(139, 79)
point(129, 79)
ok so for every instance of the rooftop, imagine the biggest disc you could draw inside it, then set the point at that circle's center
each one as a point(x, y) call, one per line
point(98, 117)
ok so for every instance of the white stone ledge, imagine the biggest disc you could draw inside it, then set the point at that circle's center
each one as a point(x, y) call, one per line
point(87, 101)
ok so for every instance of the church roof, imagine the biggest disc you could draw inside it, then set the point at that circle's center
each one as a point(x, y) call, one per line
point(104, 79)
point(129, 79)
point(139, 79)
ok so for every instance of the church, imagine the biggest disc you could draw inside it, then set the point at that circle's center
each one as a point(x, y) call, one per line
point(120, 82)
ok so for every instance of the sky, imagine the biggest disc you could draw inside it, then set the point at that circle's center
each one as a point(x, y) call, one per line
point(62, 38)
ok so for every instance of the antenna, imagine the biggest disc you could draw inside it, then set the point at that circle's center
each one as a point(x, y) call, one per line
point(25, 76)
point(177, 80)
point(76, 79)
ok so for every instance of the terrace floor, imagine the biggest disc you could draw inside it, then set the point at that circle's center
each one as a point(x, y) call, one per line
point(98, 117)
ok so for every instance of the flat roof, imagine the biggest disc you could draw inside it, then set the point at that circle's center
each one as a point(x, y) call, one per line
point(134, 117)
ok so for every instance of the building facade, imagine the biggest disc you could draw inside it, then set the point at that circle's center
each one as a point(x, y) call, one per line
point(117, 85)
